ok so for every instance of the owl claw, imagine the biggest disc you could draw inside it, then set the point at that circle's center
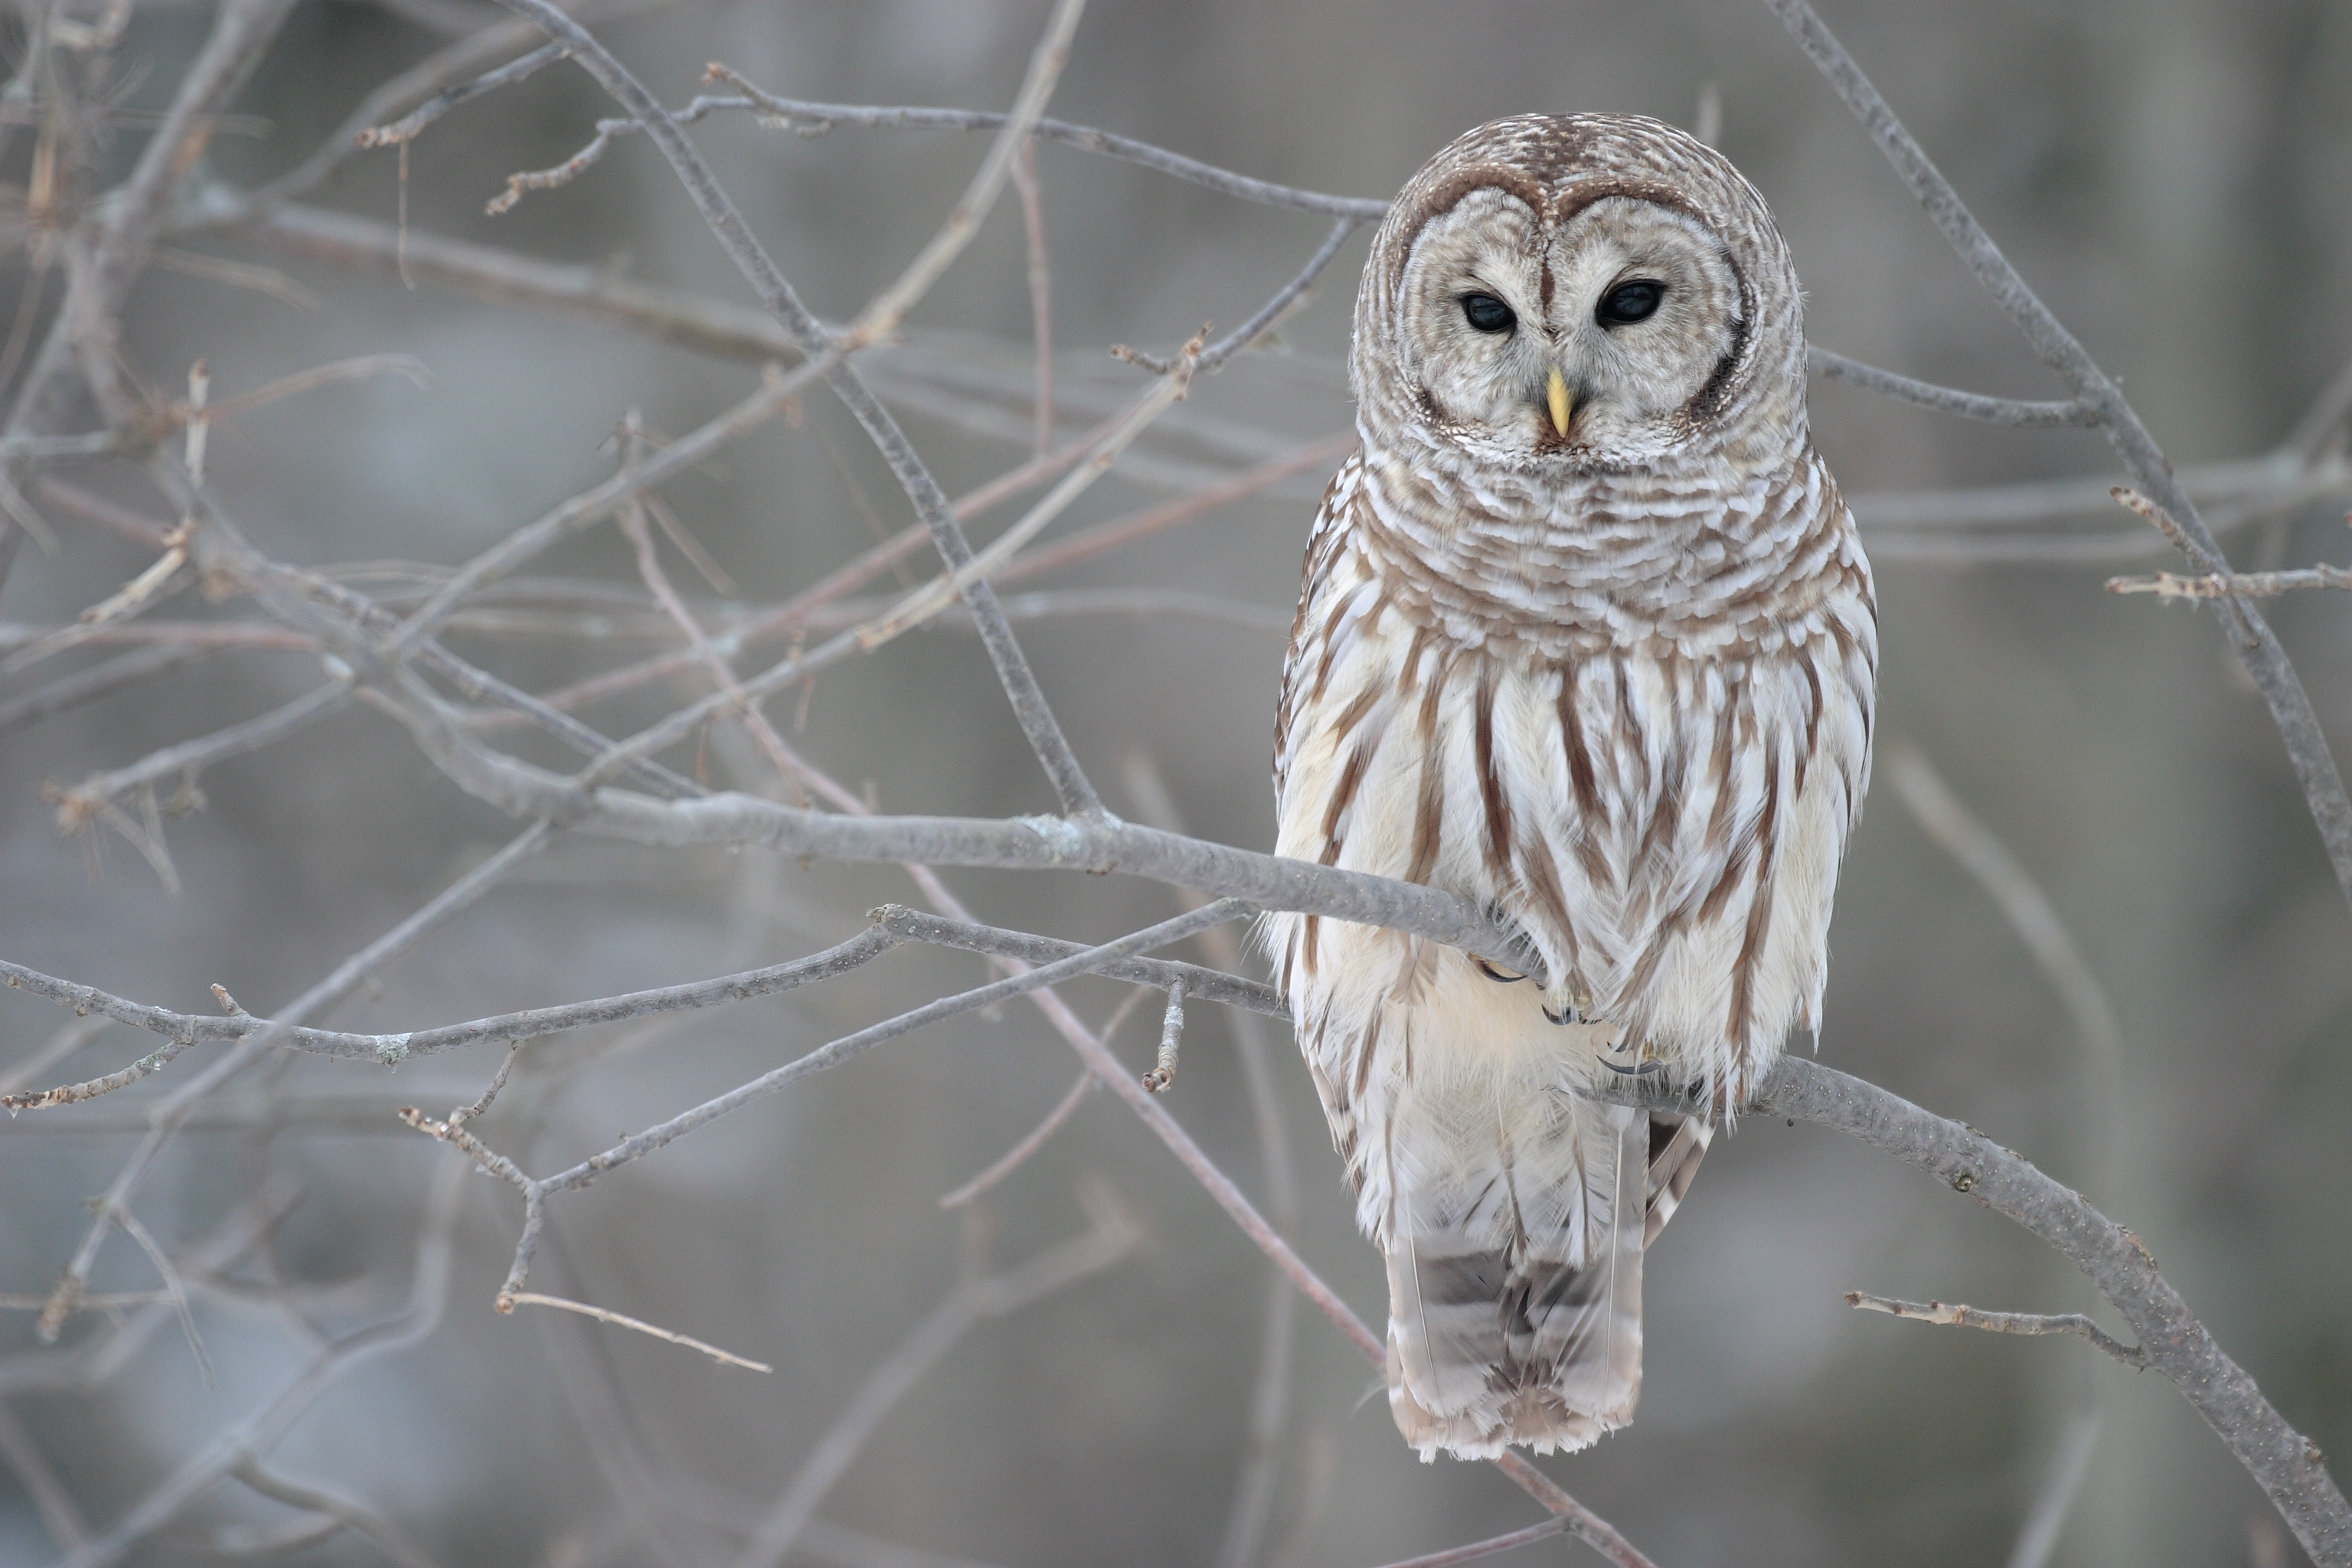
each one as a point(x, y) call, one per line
point(1564, 1018)
point(1496, 973)
point(1644, 1070)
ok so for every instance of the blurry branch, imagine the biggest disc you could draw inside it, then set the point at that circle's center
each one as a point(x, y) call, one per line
point(2132, 1356)
point(175, 1291)
point(1270, 1402)
point(2223, 585)
point(2037, 1539)
point(389, 1050)
point(2287, 1465)
point(96, 681)
point(2151, 472)
point(2031, 916)
point(1486, 1548)
point(436, 74)
point(814, 118)
point(1013, 1159)
point(535, 1191)
point(164, 1118)
point(52, 1503)
point(1036, 720)
point(1041, 292)
point(344, 1513)
point(621, 1319)
point(1270, 314)
point(127, 222)
point(243, 1444)
point(974, 1300)
point(78, 804)
point(60, 1047)
point(412, 125)
point(1944, 400)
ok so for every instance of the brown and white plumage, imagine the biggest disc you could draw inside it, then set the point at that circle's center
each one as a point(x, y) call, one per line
point(1586, 636)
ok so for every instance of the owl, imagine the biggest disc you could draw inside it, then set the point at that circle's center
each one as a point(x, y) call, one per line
point(1588, 639)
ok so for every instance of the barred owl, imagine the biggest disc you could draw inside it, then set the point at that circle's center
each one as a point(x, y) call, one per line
point(1587, 638)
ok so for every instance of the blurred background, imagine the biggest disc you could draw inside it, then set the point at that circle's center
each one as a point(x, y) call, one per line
point(2174, 176)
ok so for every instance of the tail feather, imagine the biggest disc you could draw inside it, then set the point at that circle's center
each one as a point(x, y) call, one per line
point(1677, 1143)
point(1515, 1279)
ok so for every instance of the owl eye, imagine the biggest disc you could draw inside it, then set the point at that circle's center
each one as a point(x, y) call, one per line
point(1488, 315)
point(1633, 301)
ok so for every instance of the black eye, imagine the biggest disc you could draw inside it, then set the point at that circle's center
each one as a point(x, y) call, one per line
point(1633, 301)
point(1487, 313)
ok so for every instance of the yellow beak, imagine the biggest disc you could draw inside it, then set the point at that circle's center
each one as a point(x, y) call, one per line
point(1562, 406)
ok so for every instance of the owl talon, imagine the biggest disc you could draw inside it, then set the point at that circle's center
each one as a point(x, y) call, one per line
point(1496, 973)
point(1644, 1070)
point(1565, 1016)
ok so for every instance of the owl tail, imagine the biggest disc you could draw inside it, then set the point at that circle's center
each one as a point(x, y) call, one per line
point(1515, 1276)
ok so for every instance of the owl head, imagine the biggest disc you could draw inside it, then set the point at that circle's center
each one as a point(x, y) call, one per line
point(1581, 293)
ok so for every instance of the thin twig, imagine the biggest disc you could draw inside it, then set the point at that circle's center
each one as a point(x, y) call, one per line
point(802, 114)
point(408, 127)
point(390, 1050)
point(2036, 921)
point(394, 1541)
point(2226, 584)
point(175, 1290)
point(509, 1300)
point(1171, 1035)
point(1945, 400)
point(1041, 290)
point(1963, 1317)
point(1486, 1548)
point(1013, 1159)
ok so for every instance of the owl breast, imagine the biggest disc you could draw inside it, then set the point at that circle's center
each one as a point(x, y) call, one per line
point(1652, 774)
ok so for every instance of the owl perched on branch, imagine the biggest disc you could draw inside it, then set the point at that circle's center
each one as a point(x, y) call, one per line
point(1586, 636)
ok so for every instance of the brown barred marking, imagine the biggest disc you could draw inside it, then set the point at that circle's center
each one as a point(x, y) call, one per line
point(1629, 723)
point(1353, 713)
point(1343, 795)
point(1579, 754)
point(1331, 645)
point(1541, 875)
point(1759, 920)
point(1498, 847)
point(1813, 718)
point(1720, 760)
point(1408, 666)
point(1429, 808)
